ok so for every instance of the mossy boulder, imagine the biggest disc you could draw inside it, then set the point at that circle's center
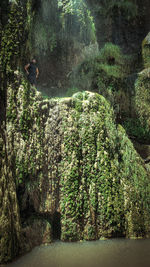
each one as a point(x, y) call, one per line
point(102, 175)
point(71, 159)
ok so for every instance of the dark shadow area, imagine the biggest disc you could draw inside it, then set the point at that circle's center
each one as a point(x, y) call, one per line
point(56, 226)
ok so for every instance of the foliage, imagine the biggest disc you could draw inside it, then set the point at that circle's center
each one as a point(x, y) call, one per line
point(12, 36)
point(142, 97)
point(71, 91)
point(79, 9)
point(146, 51)
point(21, 171)
point(11, 108)
point(108, 64)
point(103, 73)
point(128, 8)
point(56, 23)
point(44, 37)
point(110, 50)
point(136, 129)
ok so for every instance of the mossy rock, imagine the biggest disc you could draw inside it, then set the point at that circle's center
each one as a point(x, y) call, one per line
point(99, 185)
point(77, 162)
point(37, 231)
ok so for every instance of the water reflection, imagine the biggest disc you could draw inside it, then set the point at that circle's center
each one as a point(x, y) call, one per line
point(109, 253)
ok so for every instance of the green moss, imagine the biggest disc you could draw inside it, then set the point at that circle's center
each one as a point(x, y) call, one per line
point(12, 39)
point(142, 97)
point(136, 188)
point(105, 73)
point(135, 128)
point(79, 162)
point(146, 51)
point(21, 170)
point(71, 91)
point(82, 17)
point(98, 181)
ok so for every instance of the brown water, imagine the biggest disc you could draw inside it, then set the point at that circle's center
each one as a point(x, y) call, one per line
point(109, 253)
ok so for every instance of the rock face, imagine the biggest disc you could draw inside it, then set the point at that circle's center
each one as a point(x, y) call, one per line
point(76, 173)
point(121, 22)
point(142, 87)
point(10, 227)
point(146, 51)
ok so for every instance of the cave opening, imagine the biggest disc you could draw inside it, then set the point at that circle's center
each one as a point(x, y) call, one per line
point(56, 226)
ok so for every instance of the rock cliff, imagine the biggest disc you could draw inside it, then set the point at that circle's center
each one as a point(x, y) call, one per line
point(71, 172)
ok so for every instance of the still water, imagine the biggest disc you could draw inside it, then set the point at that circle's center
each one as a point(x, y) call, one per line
point(109, 253)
